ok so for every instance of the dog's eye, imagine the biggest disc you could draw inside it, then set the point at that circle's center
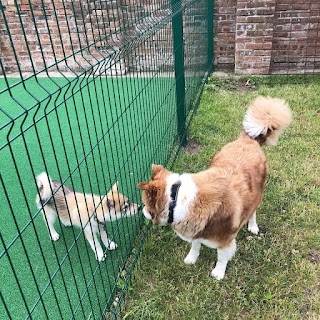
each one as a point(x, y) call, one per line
point(128, 203)
point(125, 206)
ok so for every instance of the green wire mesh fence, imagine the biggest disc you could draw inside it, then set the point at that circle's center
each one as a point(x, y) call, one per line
point(92, 93)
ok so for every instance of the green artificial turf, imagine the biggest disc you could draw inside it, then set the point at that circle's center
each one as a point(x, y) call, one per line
point(100, 130)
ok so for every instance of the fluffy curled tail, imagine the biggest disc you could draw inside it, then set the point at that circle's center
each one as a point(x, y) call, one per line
point(266, 118)
point(43, 183)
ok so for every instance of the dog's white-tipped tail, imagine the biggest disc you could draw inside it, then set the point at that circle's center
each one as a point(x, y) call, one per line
point(266, 118)
point(43, 183)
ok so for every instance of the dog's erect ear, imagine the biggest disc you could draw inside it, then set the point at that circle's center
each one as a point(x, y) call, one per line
point(115, 187)
point(143, 186)
point(156, 169)
point(113, 191)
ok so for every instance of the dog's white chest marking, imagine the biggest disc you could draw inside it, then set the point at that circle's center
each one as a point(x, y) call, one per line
point(187, 193)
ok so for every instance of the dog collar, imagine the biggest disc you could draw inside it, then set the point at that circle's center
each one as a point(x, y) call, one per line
point(173, 196)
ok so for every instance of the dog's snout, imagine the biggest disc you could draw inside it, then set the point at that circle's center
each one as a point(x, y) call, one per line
point(139, 207)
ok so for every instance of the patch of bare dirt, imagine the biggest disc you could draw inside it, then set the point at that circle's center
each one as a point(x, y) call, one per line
point(244, 87)
point(193, 146)
point(314, 256)
point(231, 83)
point(239, 86)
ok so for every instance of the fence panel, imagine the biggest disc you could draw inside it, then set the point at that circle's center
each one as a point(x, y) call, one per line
point(88, 95)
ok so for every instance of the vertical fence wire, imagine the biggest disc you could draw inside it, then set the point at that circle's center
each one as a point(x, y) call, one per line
point(88, 94)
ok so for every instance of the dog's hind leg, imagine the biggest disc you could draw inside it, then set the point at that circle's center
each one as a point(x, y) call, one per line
point(104, 237)
point(49, 216)
point(94, 243)
point(252, 224)
point(224, 255)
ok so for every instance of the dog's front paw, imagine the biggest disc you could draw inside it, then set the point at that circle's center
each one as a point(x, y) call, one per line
point(55, 236)
point(112, 245)
point(217, 273)
point(253, 229)
point(190, 259)
point(101, 256)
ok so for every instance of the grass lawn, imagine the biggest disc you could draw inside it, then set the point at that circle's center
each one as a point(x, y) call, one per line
point(275, 275)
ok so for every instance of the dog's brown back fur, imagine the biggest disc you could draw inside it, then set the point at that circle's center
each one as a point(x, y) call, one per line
point(228, 192)
point(231, 189)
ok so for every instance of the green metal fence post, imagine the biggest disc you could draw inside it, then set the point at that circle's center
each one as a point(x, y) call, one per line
point(178, 47)
point(210, 35)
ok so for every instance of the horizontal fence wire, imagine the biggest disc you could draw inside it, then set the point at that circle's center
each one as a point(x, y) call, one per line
point(88, 95)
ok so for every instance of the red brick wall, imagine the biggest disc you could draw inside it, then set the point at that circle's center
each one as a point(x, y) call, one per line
point(149, 48)
point(64, 35)
point(224, 34)
point(267, 36)
point(250, 36)
point(68, 32)
point(296, 37)
point(254, 32)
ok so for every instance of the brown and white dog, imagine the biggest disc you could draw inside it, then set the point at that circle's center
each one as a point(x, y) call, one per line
point(85, 211)
point(211, 206)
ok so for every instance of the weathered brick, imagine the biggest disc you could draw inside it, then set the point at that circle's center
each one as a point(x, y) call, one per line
point(243, 29)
